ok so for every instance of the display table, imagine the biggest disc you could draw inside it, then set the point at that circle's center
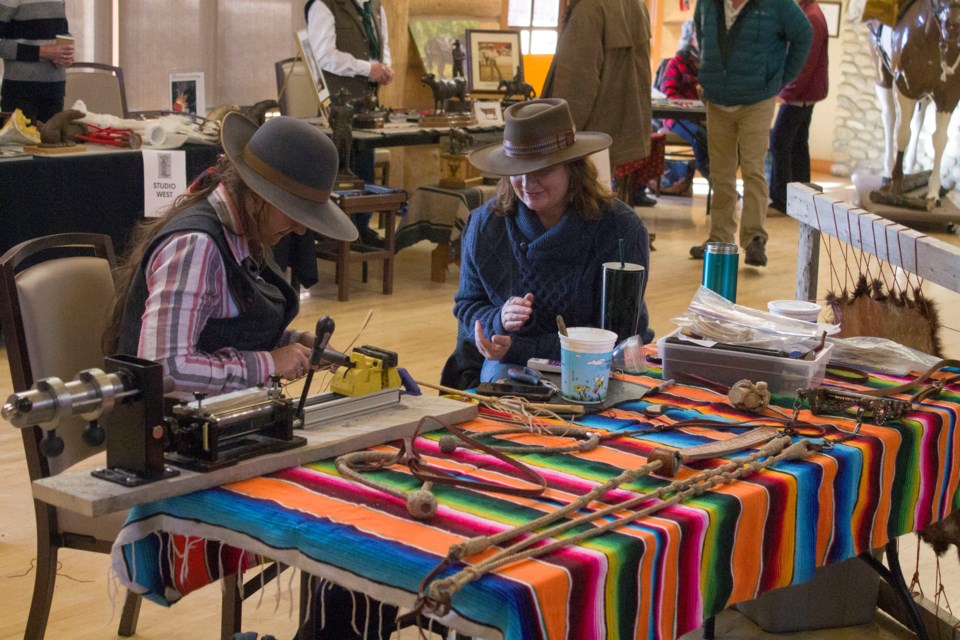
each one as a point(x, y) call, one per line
point(659, 577)
point(100, 191)
point(438, 215)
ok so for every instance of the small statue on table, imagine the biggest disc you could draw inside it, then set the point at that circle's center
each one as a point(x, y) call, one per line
point(341, 122)
point(455, 170)
point(448, 111)
point(458, 57)
point(516, 87)
point(367, 113)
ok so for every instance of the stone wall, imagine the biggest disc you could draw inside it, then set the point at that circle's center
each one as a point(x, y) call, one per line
point(858, 130)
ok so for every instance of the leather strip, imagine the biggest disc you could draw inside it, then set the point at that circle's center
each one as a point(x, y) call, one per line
point(281, 180)
point(544, 147)
point(422, 471)
point(671, 459)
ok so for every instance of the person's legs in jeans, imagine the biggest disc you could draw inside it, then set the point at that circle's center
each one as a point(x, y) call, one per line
point(801, 146)
point(754, 124)
point(786, 138)
point(696, 137)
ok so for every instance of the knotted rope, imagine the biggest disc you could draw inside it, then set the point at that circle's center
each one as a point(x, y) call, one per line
point(436, 594)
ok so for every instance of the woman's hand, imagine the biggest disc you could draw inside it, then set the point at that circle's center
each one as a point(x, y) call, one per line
point(61, 55)
point(516, 312)
point(493, 348)
point(291, 361)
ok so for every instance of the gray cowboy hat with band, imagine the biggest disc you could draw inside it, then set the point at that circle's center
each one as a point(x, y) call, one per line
point(292, 165)
point(537, 134)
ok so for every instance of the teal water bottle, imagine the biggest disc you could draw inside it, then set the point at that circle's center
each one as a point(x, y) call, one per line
point(721, 260)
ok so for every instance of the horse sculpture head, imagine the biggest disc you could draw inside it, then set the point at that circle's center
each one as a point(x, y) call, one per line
point(947, 13)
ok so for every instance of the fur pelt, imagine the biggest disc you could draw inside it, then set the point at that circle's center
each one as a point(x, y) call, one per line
point(940, 535)
point(906, 317)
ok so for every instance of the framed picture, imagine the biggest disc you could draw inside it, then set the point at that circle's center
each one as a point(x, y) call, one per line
point(316, 74)
point(187, 93)
point(435, 37)
point(488, 112)
point(831, 12)
point(493, 58)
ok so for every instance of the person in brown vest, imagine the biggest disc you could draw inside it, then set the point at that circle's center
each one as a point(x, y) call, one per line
point(349, 39)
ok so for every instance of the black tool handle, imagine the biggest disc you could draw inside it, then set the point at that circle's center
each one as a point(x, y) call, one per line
point(323, 331)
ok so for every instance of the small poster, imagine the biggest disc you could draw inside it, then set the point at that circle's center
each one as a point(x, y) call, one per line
point(164, 178)
point(187, 93)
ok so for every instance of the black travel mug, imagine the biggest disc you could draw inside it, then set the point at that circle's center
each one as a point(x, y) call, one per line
point(622, 298)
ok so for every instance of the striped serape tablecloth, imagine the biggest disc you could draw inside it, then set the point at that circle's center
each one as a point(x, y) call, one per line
point(658, 577)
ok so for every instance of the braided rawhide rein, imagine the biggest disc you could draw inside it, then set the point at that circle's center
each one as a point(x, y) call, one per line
point(421, 504)
point(436, 594)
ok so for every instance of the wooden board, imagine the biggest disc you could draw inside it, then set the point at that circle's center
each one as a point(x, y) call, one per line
point(50, 151)
point(79, 491)
point(947, 212)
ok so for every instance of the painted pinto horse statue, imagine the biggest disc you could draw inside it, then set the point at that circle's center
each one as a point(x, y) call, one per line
point(444, 89)
point(916, 60)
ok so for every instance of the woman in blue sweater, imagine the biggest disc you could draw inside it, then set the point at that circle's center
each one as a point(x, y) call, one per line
point(536, 250)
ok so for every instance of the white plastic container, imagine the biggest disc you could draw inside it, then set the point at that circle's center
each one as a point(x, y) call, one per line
point(797, 309)
point(782, 375)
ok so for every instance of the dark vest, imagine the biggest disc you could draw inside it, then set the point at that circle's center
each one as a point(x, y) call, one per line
point(352, 39)
point(267, 302)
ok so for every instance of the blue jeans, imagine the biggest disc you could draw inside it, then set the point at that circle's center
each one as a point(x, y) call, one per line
point(789, 151)
point(696, 137)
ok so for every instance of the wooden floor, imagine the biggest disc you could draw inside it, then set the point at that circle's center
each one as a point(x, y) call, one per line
point(416, 321)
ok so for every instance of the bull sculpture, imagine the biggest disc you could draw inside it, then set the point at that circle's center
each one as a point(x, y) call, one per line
point(444, 89)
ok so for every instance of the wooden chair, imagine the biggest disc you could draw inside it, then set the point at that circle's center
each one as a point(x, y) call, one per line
point(55, 293)
point(344, 253)
point(100, 86)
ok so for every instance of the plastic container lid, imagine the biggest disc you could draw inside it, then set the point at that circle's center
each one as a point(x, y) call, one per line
point(799, 309)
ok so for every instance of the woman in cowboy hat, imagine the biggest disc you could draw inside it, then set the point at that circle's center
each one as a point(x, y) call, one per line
point(199, 291)
point(535, 250)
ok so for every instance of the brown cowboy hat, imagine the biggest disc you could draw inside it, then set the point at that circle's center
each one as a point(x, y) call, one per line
point(537, 134)
point(292, 165)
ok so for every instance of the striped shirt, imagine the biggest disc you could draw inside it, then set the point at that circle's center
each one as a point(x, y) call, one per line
point(24, 26)
point(187, 286)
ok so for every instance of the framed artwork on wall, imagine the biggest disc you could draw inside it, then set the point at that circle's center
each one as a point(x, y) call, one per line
point(493, 58)
point(187, 93)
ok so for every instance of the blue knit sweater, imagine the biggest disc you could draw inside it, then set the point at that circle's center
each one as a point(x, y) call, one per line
point(561, 266)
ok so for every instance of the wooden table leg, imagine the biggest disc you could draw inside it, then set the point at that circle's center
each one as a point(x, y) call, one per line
point(390, 239)
point(343, 271)
point(439, 259)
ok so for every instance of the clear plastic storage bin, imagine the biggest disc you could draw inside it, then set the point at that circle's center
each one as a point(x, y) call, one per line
point(782, 375)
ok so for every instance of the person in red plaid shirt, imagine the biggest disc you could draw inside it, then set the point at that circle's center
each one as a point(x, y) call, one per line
point(679, 81)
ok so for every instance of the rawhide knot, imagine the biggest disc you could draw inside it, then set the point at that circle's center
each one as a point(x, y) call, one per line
point(449, 444)
point(421, 504)
point(748, 395)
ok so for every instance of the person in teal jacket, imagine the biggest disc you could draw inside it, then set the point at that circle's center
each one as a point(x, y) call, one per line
point(749, 49)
